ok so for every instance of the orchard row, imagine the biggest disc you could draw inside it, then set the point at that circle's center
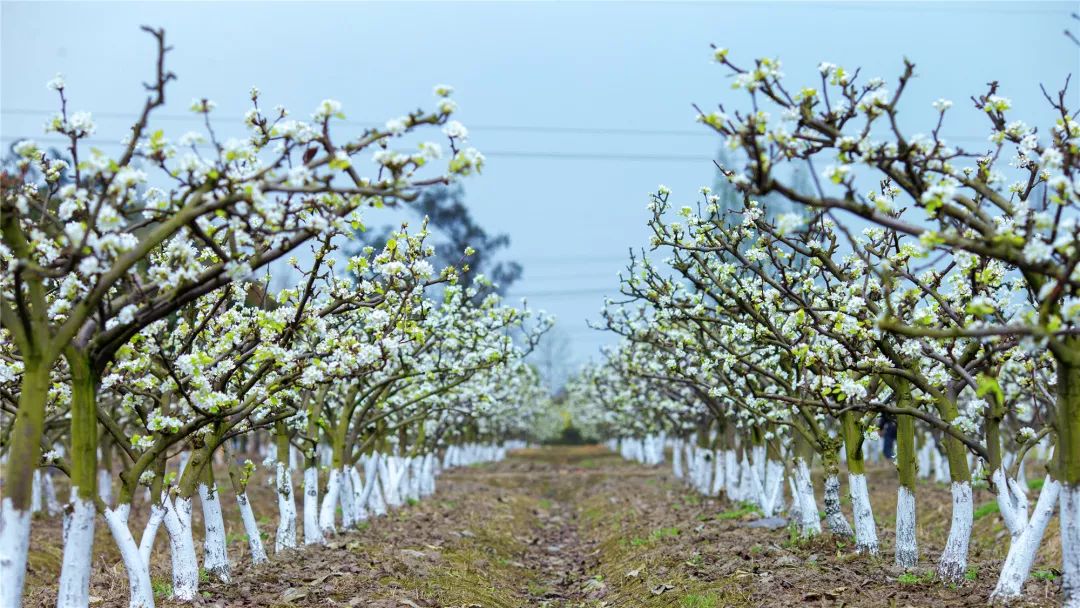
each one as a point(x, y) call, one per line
point(906, 281)
point(141, 324)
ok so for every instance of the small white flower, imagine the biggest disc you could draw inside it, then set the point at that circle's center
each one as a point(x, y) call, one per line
point(396, 126)
point(202, 106)
point(788, 222)
point(326, 109)
point(57, 83)
point(456, 130)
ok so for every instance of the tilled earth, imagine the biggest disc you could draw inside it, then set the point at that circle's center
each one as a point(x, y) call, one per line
point(570, 527)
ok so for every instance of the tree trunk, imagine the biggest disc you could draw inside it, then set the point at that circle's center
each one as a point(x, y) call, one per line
point(23, 455)
point(140, 590)
point(74, 589)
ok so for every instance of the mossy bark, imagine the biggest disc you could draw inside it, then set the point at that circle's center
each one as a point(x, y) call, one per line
point(1067, 420)
point(24, 452)
point(84, 439)
point(853, 441)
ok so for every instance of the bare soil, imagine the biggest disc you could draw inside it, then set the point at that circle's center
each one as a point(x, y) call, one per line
point(572, 527)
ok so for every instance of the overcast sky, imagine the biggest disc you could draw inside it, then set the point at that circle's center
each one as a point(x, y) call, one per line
point(581, 108)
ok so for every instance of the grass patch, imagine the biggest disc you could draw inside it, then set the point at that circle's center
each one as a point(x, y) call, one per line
point(1045, 574)
point(987, 509)
point(910, 578)
point(662, 533)
point(972, 573)
point(745, 508)
point(1035, 484)
point(699, 600)
point(545, 504)
point(161, 588)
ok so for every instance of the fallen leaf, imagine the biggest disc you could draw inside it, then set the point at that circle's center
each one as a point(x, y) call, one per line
point(662, 588)
point(294, 593)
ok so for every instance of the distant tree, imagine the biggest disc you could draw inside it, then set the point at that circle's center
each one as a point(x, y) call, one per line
point(455, 231)
point(553, 359)
point(10, 165)
point(730, 199)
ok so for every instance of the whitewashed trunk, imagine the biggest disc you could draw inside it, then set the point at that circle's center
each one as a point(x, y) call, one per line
point(185, 566)
point(48, 491)
point(795, 510)
point(371, 483)
point(215, 552)
point(286, 530)
point(429, 475)
point(401, 480)
point(74, 589)
point(346, 493)
point(329, 503)
point(719, 477)
point(104, 484)
point(146, 541)
point(1024, 546)
point(907, 547)
point(35, 492)
point(377, 503)
point(1012, 502)
point(359, 500)
point(941, 467)
point(251, 528)
point(772, 488)
point(747, 491)
point(803, 496)
point(387, 469)
point(14, 546)
point(312, 532)
point(676, 459)
point(926, 461)
point(953, 563)
point(705, 470)
point(834, 515)
point(140, 590)
point(865, 528)
point(732, 471)
point(1070, 544)
point(415, 477)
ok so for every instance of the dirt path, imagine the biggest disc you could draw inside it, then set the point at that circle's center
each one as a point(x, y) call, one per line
point(580, 528)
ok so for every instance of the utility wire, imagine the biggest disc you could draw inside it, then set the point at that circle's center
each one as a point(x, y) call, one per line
point(197, 118)
point(612, 291)
point(550, 129)
point(522, 154)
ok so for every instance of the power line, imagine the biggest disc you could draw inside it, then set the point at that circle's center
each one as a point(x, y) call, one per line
point(567, 292)
point(578, 130)
point(602, 156)
point(550, 129)
point(923, 7)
